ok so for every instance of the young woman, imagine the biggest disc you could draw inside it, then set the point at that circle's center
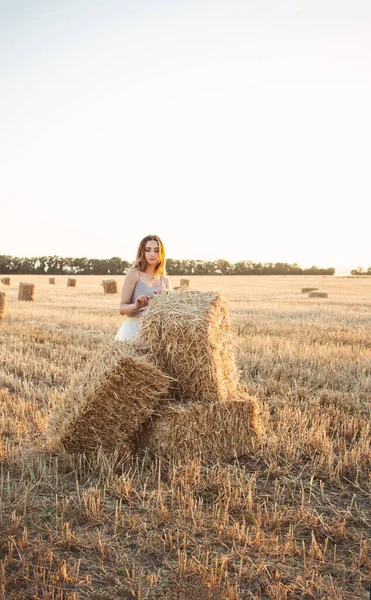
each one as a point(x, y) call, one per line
point(144, 279)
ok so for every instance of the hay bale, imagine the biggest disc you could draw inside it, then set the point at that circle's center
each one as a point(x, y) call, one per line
point(26, 291)
point(110, 286)
point(305, 290)
point(184, 283)
point(2, 304)
point(5, 280)
point(107, 404)
point(71, 282)
point(219, 430)
point(187, 334)
point(51, 280)
point(318, 295)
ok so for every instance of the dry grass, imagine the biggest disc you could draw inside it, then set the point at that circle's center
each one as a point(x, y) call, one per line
point(290, 520)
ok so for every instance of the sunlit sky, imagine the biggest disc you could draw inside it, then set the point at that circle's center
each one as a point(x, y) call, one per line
point(236, 130)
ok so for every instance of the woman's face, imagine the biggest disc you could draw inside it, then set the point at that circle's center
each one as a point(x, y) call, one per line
point(152, 252)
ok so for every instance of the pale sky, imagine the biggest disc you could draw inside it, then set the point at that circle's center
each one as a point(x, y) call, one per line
point(237, 130)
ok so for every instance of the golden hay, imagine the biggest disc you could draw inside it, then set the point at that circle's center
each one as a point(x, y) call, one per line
point(71, 282)
point(2, 304)
point(187, 334)
point(26, 291)
point(51, 280)
point(110, 286)
point(5, 280)
point(318, 295)
point(107, 404)
point(305, 290)
point(219, 430)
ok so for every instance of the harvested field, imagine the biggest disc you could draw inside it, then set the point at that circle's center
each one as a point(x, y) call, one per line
point(288, 520)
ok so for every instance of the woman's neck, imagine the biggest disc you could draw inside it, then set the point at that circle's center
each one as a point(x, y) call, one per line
point(150, 270)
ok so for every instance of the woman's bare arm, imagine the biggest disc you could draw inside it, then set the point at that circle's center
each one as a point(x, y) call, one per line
point(126, 307)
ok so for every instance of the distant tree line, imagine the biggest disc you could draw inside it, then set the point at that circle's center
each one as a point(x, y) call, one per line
point(57, 265)
point(360, 271)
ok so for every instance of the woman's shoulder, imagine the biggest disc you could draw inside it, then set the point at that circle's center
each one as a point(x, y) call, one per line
point(132, 274)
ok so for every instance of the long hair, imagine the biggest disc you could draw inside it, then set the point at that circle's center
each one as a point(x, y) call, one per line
point(140, 261)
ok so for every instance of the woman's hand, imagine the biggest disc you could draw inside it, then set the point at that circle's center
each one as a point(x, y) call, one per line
point(141, 302)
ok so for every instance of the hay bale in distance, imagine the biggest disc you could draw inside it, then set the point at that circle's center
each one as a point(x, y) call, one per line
point(184, 283)
point(110, 286)
point(318, 295)
point(2, 304)
point(71, 282)
point(26, 291)
point(51, 280)
point(212, 431)
point(187, 334)
point(5, 280)
point(305, 290)
point(108, 403)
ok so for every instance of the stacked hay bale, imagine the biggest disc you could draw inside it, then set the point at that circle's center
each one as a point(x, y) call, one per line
point(211, 431)
point(110, 286)
point(318, 295)
point(188, 335)
point(26, 291)
point(51, 280)
point(2, 304)
point(5, 280)
point(127, 399)
point(305, 290)
point(71, 282)
point(108, 404)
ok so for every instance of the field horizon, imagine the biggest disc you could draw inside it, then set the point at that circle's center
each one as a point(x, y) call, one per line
point(290, 520)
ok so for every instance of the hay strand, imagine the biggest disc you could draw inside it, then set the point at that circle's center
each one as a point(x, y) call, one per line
point(219, 430)
point(187, 334)
point(110, 286)
point(2, 304)
point(107, 404)
point(26, 292)
point(71, 282)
